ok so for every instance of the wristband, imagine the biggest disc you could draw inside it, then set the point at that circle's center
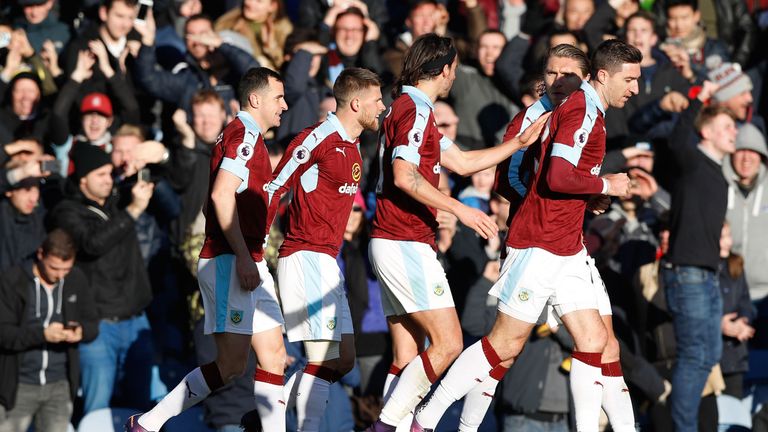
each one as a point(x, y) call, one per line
point(606, 186)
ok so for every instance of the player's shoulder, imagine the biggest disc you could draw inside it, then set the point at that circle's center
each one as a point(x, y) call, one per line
point(408, 107)
point(313, 136)
point(577, 101)
point(239, 130)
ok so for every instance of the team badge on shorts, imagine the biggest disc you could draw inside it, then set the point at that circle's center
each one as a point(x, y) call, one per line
point(438, 290)
point(331, 324)
point(524, 295)
point(245, 151)
point(236, 316)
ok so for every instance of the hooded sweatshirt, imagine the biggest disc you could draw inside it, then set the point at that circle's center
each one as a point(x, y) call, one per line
point(748, 213)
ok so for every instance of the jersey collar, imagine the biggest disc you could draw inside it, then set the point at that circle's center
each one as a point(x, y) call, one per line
point(590, 92)
point(418, 94)
point(339, 127)
point(248, 121)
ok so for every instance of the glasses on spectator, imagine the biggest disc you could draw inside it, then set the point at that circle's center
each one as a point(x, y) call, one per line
point(357, 209)
point(350, 29)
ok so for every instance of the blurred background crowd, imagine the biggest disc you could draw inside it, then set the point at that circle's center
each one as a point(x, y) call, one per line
point(97, 95)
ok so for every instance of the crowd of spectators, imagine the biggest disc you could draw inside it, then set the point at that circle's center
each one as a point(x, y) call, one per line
point(107, 120)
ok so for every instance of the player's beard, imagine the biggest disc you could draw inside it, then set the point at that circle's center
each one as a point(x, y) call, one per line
point(368, 121)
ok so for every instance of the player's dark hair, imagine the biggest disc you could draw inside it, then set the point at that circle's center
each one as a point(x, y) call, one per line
point(612, 54)
point(669, 4)
point(424, 60)
point(351, 81)
point(60, 244)
point(709, 113)
point(573, 53)
point(255, 80)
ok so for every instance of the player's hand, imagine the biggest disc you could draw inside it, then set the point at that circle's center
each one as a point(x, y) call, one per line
point(598, 204)
point(618, 184)
point(247, 273)
point(478, 221)
point(533, 132)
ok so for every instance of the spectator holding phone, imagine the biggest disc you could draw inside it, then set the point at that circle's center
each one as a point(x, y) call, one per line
point(42, 320)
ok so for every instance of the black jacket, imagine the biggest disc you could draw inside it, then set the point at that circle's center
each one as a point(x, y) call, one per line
point(108, 253)
point(20, 235)
point(699, 200)
point(16, 337)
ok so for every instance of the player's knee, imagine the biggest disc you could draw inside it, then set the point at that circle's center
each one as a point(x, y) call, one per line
point(452, 348)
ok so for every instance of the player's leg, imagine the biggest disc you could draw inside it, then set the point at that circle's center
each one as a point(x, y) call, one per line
point(229, 317)
point(590, 338)
point(576, 302)
point(267, 343)
point(444, 333)
point(407, 342)
point(478, 400)
point(315, 311)
point(269, 379)
point(523, 293)
point(503, 343)
point(616, 403)
point(616, 399)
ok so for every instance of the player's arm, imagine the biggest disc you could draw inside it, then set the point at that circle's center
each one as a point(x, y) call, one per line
point(470, 162)
point(225, 187)
point(408, 179)
point(563, 175)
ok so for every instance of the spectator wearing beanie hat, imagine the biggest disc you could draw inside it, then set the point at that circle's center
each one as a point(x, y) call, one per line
point(21, 114)
point(747, 173)
point(109, 255)
point(735, 90)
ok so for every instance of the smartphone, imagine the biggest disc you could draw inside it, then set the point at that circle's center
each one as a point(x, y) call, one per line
point(144, 7)
point(71, 325)
point(52, 166)
point(144, 175)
